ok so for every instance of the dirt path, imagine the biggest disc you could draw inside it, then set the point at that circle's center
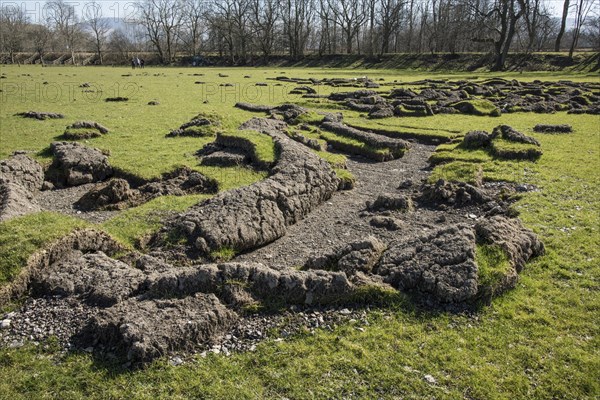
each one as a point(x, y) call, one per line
point(343, 218)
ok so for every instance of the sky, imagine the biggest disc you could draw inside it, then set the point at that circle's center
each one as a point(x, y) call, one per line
point(37, 11)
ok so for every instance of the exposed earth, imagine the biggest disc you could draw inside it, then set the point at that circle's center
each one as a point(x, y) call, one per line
point(301, 239)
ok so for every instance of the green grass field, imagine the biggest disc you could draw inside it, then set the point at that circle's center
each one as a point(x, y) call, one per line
point(538, 341)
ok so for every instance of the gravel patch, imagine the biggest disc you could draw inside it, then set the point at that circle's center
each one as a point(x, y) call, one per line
point(63, 201)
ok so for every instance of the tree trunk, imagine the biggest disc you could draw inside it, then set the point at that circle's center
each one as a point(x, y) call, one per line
point(349, 42)
point(563, 24)
point(410, 27)
point(372, 29)
point(99, 50)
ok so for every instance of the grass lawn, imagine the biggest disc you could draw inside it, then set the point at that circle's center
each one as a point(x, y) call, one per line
point(537, 341)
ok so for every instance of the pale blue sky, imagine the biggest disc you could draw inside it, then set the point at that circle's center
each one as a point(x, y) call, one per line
point(126, 9)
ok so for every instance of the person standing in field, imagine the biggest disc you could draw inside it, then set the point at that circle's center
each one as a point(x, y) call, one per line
point(133, 63)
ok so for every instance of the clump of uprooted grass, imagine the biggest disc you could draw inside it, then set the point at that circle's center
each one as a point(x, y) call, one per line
point(84, 130)
point(455, 152)
point(310, 118)
point(485, 147)
point(20, 237)
point(429, 136)
point(131, 227)
point(206, 124)
point(258, 146)
point(347, 179)
point(336, 161)
point(506, 149)
point(355, 146)
point(458, 171)
point(40, 115)
point(480, 107)
point(549, 128)
point(493, 268)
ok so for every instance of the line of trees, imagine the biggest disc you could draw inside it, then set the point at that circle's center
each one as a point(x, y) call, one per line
point(244, 29)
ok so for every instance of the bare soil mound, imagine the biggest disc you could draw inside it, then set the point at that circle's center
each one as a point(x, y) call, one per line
point(75, 164)
point(255, 215)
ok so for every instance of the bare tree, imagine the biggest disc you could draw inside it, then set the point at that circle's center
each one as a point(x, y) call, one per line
point(423, 23)
point(121, 44)
point(39, 37)
point(240, 28)
point(370, 7)
point(390, 18)
point(99, 26)
point(230, 20)
point(411, 23)
point(582, 9)
point(62, 17)
point(150, 19)
point(194, 23)
point(590, 34)
point(12, 29)
point(265, 15)
point(501, 22)
point(546, 31)
point(532, 17)
point(162, 20)
point(297, 19)
point(349, 15)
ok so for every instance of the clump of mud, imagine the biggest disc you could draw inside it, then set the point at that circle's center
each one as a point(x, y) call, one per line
point(75, 164)
point(202, 125)
point(545, 128)
point(117, 194)
point(490, 97)
point(84, 130)
point(40, 115)
point(248, 217)
point(527, 148)
point(20, 178)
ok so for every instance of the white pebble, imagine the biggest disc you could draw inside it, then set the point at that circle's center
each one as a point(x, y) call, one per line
point(175, 361)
